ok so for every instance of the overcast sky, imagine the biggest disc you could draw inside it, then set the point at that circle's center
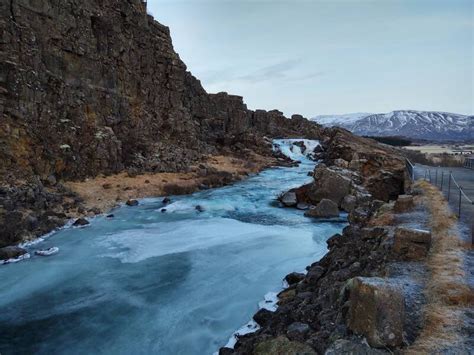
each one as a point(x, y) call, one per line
point(329, 56)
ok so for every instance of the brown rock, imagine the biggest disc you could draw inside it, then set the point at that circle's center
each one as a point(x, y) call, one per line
point(404, 203)
point(294, 278)
point(329, 184)
point(289, 199)
point(80, 222)
point(325, 209)
point(376, 311)
point(349, 203)
point(132, 203)
point(282, 346)
point(411, 244)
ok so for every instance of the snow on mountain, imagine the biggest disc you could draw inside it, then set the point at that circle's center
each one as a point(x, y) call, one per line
point(336, 120)
point(407, 123)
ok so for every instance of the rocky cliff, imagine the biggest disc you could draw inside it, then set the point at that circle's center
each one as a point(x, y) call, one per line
point(95, 87)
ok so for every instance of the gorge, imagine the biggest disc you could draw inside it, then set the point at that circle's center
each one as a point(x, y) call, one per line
point(177, 198)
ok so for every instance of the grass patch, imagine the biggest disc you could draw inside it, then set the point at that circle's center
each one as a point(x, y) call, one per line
point(446, 291)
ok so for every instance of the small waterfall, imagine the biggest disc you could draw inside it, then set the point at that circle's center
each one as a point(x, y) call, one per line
point(296, 149)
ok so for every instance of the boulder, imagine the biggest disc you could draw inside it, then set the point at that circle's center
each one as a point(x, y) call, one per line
point(286, 296)
point(341, 163)
point(80, 222)
point(289, 199)
point(314, 274)
point(349, 203)
point(386, 185)
point(263, 317)
point(226, 351)
point(359, 216)
point(376, 311)
point(132, 203)
point(325, 209)
point(11, 252)
point(297, 331)
point(294, 278)
point(199, 208)
point(404, 204)
point(166, 200)
point(282, 346)
point(411, 244)
point(352, 347)
point(329, 184)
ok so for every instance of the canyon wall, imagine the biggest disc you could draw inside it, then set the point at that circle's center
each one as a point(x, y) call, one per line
point(91, 87)
point(95, 87)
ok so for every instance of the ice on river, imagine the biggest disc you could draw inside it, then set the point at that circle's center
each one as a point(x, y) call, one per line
point(179, 282)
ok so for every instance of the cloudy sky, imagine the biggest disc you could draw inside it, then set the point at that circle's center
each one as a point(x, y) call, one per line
point(329, 56)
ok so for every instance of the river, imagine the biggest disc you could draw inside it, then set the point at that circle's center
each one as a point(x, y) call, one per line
point(152, 282)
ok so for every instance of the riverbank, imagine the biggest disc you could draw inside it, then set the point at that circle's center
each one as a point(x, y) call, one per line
point(32, 208)
point(392, 281)
point(103, 193)
point(153, 281)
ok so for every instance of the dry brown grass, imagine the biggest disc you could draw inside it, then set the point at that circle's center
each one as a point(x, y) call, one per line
point(121, 187)
point(446, 290)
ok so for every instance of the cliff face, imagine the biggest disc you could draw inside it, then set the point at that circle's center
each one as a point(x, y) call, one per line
point(93, 87)
point(90, 87)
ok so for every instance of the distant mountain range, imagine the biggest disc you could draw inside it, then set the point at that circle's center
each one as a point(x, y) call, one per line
point(406, 123)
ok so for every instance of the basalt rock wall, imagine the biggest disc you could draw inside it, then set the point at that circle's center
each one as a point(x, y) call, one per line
point(90, 87)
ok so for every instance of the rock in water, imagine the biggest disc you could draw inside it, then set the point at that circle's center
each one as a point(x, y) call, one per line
point(325, 209)
point(199, 208)
point(80, 222)
point(289, 199)
point(166, 200)
point(294, 278)
point(132, 203)
point(329, 184)
point(263, 317)
point(12, 252)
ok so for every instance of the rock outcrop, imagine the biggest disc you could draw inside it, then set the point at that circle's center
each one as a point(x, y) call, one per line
point(376, 311)
point(350, 292)
point(95, 87)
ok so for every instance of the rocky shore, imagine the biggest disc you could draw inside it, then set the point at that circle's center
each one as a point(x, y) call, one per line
point(366, 295)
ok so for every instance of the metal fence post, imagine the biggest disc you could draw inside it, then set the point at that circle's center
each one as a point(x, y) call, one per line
point(436, 177)
point(460, 201)
point(449, 185)
point(442, 180)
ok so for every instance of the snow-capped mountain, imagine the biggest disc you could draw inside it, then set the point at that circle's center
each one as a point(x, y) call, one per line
point(408, 123)
point(340, 120)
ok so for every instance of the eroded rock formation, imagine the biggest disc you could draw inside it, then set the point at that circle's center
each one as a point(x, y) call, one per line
point(95, 87)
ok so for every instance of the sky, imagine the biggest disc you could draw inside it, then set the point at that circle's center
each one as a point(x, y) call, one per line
point(317, 57)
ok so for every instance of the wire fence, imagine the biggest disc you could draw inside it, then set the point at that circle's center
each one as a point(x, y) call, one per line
point(462, 203)
point(447, 179)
